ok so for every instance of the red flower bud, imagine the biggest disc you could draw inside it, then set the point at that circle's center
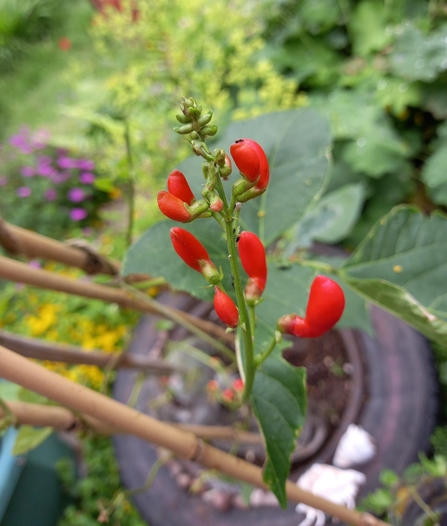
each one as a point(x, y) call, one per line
point(173, 207)
point(225, 308)
point(227, 395)
point(324, 309)
point(246, 159)
point(189, 248)
point(252, 254)
point(238, 384)
point(178, 186)
point(226, 169)
point(252, 162)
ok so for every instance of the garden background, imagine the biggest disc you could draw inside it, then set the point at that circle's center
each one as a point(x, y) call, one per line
point(88, 92)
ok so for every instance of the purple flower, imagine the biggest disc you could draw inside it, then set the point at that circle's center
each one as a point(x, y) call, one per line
point(20, 141)
point(85, 164)
point(3, 180)
point(78, 214)
point(45, 170)
point(34, 263)
point(44, 160)
point(24, 191)
point(87, 178)
point(67, 162)
point(76, 195)
point(28, 171)
point(50, 194)
point(60, 177)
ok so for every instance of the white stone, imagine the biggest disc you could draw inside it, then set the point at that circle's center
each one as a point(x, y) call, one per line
point(356, 446)
point(337, 485)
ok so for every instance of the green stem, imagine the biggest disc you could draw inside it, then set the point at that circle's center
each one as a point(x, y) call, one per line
point(131, 187)
point(318, 265)
point(252, 316)
point(244, 323)
point(165, 311)
point(260, 358)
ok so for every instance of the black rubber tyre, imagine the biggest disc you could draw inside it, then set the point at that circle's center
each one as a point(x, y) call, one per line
point(399, 410)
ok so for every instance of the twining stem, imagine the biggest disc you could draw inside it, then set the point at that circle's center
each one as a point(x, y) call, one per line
point(245, 326)
point(244, 323)
point(79, 398)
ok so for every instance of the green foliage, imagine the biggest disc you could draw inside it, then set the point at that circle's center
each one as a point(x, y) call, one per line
point(211, 51)
point(25, 21)
point(400, 265)
point(378, 71)
point(279, 401)
point(97, 497)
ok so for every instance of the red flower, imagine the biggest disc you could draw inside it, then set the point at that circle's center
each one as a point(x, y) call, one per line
point(252, 162)
point(225, 308)
point(324, 308)
point(64, 43)
point(178, 186)
point(173, 207)
point(238, 384)
point(190, 249)
point(252, 254)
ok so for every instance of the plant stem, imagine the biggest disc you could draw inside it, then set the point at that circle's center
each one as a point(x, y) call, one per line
point(263, 356)
point(245, 326)
point(131, 186)
point(318, 265)
point(244, 323)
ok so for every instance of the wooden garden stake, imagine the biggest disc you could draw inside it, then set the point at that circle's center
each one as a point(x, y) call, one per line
point(22, 273)
point(30, 375)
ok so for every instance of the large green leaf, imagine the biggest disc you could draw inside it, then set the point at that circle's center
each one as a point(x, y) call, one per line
point(279, 403)
point(297, 144)
point(401, 266)
point(368, 27)
point(417, 56)
point(434, 173)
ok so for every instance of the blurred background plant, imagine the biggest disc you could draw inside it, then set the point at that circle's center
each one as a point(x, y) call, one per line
point(45, 188)
point(378, 71)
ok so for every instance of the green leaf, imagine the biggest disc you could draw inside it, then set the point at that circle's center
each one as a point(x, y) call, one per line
point(346, 204)
point(434, 171)
point(297, 144)
point(401, 267)
point(417, 56)
point(279, 403)
point(29, 438)
point(368, 27)
point(376, 153)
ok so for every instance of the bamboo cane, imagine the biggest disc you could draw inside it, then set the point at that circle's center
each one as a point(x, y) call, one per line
point(56, 352)
point(63, 419)
point(185, 444)
point(19, 241)
point(22, 273)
